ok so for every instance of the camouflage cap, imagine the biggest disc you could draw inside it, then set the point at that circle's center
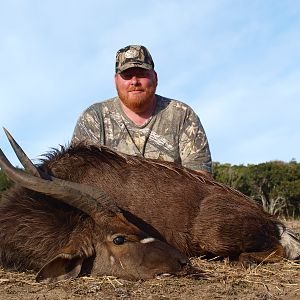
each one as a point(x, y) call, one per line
point(133, 56)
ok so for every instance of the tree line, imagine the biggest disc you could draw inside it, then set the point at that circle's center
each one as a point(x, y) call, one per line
point(274, 184)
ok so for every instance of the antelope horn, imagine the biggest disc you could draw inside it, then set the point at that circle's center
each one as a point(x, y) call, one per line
point(23, 158)
point(70, 193)
point(33, 170)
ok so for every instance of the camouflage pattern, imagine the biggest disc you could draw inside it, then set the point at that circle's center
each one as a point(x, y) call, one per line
point(174, 133)
point(133, 56)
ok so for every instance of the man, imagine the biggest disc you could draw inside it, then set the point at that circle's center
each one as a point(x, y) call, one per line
point(140, 122)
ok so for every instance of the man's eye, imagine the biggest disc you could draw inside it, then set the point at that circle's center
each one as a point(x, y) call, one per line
point(141, 75)
point(126, 77)
point(138, 75)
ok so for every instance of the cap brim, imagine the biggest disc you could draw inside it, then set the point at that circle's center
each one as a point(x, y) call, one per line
point(134, 65)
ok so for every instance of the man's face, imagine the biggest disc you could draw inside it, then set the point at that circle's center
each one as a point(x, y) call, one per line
point(136, 88)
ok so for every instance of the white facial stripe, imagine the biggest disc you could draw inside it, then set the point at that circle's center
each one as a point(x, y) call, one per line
point(112, 260)
point(147, 240)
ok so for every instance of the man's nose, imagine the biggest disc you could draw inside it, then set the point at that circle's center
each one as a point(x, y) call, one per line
point(134, 80)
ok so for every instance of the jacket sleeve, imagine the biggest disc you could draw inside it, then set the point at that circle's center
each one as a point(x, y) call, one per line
point(89, 127)
point(193, 144)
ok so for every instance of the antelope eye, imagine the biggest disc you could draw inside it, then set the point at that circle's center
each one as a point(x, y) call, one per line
point(119, 240)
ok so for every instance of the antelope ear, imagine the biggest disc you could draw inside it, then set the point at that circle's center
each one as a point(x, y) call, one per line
point(63, 266)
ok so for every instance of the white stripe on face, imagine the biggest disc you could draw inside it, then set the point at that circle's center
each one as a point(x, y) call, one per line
point(112, 260)
point(147, 240)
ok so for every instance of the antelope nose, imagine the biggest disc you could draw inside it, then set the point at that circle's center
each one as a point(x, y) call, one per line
point(184, 261)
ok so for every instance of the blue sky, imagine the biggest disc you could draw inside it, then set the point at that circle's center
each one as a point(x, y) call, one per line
point(236, 63)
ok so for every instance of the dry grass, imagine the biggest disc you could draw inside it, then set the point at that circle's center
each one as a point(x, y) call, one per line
point(294, 224)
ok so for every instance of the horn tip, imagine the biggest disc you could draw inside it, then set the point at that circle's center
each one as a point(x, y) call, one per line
point(6, 131)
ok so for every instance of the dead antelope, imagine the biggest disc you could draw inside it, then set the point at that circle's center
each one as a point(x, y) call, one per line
point(87, 208)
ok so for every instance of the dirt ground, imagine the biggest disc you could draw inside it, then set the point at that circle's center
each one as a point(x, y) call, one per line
point(218, 280)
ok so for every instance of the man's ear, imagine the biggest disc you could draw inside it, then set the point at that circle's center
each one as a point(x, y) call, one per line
point(156, 77)
point(63, 266)
point(116, 78)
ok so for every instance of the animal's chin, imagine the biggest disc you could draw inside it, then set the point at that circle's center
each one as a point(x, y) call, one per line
point(189, 271)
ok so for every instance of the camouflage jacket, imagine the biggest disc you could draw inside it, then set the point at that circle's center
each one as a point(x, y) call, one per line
point(174, 132)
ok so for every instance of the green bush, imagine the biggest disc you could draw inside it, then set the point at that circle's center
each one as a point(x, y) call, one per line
point(5, 183)
point(275, 184)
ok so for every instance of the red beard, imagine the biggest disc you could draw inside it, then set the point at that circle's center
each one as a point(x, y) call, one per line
point(138, 102)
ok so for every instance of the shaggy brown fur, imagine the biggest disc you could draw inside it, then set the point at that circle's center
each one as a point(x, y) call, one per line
point(195, 214)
